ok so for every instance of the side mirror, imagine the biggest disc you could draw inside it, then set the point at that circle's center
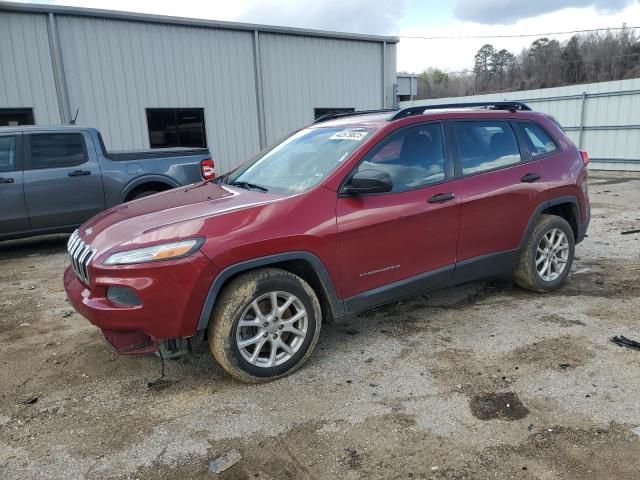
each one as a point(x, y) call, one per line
point(368, 181)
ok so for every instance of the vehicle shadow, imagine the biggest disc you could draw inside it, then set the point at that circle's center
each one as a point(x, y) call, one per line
point(41, 245)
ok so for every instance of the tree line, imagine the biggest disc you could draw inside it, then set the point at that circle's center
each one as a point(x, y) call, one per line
point(584, 58)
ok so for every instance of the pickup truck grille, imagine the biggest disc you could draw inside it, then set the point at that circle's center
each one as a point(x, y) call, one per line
point(81, 254)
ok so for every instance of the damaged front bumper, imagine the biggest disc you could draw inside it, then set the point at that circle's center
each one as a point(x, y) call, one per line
point(170, 299)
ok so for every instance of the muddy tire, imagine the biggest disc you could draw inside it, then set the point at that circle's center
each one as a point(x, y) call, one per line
point(265, 324)
point(546, 259)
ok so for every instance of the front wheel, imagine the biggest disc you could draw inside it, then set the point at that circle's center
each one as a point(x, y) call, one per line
point(265, 325)
point(547, 257)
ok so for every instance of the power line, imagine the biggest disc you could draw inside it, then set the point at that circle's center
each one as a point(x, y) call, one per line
point(522, 35)
point(563, 62)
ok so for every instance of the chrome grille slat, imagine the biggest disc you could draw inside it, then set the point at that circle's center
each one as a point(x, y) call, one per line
point(80, 254)
point(82, 259)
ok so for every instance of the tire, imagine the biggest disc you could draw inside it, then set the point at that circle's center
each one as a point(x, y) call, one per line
point(238, 301)
point(532, 260)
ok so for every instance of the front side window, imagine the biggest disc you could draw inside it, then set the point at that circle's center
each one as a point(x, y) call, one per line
point(7, 154)
point(302, 160)
point(176, 127)
point(539, 142)
point(412, 157)
point(484, 146)
point(55, 150)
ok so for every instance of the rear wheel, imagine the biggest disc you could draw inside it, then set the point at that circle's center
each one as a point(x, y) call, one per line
point(546, 260)
point(265, 325)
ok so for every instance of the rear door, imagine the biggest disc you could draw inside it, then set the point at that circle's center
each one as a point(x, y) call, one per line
point(13, 210)
point(62, 180)
point(499, 192)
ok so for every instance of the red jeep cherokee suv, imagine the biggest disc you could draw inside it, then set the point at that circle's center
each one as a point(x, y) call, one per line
point(352, 212)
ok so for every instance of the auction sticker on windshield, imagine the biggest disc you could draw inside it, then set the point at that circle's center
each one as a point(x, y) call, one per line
point(356, 135)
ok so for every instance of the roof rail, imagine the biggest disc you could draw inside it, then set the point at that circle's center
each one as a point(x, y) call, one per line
point(419, 110)
point(331, 116)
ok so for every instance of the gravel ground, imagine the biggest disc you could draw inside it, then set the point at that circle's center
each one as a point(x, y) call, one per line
point(480, 381)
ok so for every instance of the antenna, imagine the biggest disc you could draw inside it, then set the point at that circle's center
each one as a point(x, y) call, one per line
point(73, 120)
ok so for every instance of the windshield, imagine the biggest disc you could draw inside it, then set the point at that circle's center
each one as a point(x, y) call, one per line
point(301, 161)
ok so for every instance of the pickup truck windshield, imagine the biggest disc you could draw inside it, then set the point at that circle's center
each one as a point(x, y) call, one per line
point(301, 161)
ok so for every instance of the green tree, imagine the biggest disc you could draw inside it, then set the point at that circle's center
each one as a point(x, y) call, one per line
point(481, 66)
point(501, 62)
point(574, 69)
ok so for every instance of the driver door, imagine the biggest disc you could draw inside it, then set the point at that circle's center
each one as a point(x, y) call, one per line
point(404, 241)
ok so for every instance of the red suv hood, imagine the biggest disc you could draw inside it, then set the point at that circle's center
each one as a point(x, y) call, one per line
point(171, 215)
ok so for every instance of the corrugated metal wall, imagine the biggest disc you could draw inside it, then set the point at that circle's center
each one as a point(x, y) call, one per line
point(26, 72)
point(303, 73)
point(605, 121)
point(389, 75)
point(115, 70)
point(113, 66)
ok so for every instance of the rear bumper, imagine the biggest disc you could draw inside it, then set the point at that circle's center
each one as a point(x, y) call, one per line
point(171, 297)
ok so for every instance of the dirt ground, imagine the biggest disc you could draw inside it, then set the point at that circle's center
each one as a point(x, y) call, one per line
point(482, 381)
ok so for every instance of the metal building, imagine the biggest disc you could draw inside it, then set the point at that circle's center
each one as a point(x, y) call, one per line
point(602, 118)
point(407, 87)
point(152, 81)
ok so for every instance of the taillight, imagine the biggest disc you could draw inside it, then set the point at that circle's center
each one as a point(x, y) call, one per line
point(207, 168)
point(585, 157)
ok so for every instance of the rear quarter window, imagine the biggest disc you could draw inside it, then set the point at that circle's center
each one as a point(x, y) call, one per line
point(539, 142)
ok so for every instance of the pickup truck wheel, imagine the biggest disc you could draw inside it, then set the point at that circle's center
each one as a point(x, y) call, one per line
point(265, 325)
point(546, 259)
point(143, 194)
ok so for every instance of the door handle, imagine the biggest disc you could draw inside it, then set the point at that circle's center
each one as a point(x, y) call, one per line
point(79, 173)
point(531, 177)
point(441, 198)
point(6, 180)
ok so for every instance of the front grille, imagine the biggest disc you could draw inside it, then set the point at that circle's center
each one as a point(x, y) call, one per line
point(81, 254)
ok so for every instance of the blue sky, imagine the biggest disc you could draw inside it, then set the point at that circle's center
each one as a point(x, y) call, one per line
point(407, 18)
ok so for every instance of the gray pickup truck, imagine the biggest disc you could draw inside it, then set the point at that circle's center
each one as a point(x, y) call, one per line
point(53, 179)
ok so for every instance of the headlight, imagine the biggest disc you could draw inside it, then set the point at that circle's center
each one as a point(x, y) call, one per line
point(165, 251)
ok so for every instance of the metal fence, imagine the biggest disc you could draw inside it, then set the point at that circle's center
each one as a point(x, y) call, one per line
point(601, 118)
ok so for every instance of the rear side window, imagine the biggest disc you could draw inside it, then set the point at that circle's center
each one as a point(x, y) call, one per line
point(484, 146)
point(7, 154)
point(413, 157)
point(55, 150)
point(539, 142)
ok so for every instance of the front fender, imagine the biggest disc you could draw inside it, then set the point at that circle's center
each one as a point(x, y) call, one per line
point(336, 305)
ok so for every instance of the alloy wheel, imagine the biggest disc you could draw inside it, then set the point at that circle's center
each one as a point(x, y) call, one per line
point(552, 255)
point(271, 329)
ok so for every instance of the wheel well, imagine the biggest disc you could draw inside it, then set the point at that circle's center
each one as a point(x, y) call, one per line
point(568, 211)
point(304, 270)
point(147, 187)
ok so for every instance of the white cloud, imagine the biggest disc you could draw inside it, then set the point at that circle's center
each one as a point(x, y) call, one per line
point(358, 16)
point(455, 55)
point(492, 12)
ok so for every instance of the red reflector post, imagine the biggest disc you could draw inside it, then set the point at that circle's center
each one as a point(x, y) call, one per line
point(585, 157)
point(207, 168)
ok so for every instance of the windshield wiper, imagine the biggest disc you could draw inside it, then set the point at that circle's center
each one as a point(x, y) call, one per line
point(221, 179)
point(249, 186)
